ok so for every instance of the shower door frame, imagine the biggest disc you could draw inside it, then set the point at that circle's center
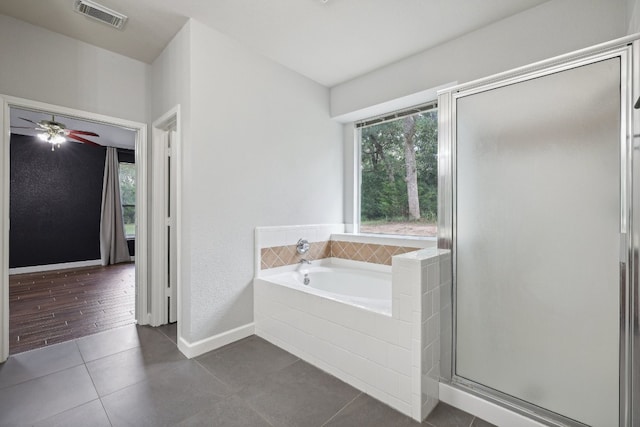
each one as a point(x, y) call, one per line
point(628, 50)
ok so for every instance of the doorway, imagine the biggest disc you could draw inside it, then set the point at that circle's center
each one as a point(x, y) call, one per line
point(165, 220)
point(60, 287)
point(141, 291)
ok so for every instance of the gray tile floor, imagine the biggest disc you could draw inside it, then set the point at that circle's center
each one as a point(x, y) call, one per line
point(135, 376)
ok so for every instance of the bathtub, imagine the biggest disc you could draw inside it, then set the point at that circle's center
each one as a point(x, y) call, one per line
point(342, 322)
point(363, 323)
point(363, 288)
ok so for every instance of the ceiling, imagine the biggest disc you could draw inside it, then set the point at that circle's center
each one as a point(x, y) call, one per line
point(329, 41)
point(111, 136)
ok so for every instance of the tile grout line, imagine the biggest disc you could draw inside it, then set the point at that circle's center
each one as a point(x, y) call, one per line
point(236, 392)
point(130, 385)
point(142, 380)
point(258, 413)
point(75, 341)
point(41, 376)
point(169, 338)
point(121, 351)
point(69, 409)
point(94, 384)
point(195, 359)
point(229, 346)
point(105, 411)
point(73, 407)
point(341, 409)
point(254, 410)
point(229, 397)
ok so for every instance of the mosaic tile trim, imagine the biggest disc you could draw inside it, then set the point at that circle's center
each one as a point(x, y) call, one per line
point(279, 256)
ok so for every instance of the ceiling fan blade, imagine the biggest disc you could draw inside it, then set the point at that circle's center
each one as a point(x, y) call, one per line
point(30, 121)
point(80, 132)
point(83, 140)
point(22, 127)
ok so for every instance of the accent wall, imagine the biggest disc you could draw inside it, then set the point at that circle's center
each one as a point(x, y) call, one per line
point(55, 202)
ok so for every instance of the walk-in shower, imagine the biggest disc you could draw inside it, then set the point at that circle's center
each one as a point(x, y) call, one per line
point(537, 190)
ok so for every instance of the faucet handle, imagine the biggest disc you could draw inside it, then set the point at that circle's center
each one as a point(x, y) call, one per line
point(302, 246)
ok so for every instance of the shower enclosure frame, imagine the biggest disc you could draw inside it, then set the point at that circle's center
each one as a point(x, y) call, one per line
point(628, 50)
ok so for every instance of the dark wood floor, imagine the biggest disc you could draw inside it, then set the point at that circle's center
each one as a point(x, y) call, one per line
point(51, 307)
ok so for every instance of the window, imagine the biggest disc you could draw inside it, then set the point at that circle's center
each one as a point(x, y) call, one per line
point(399, 173)
point(127, 174)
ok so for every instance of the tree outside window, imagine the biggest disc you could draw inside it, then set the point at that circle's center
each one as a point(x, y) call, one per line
point(399, 175)
point(127, 175)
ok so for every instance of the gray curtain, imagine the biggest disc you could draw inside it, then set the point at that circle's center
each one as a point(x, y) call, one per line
point(113, 244)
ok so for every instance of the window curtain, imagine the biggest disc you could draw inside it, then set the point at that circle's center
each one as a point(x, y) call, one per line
point(113, 243)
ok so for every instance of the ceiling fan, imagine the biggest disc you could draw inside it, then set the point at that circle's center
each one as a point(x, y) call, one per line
point(55, 133)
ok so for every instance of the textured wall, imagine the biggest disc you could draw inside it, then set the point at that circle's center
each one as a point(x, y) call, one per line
point(633, 16)
point(55, 202)
point(40, 65)
point(261, 149)
point(552, 28)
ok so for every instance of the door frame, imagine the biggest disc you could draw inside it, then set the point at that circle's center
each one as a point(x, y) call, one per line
point(628, 48)
point(141, 260)
point(158, 249)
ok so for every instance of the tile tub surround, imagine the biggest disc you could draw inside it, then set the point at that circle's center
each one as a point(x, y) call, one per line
point(276, 246)
point(367, 252)
point(388, 357)
point(279, 256)
point(428, 267)
point(272, 244)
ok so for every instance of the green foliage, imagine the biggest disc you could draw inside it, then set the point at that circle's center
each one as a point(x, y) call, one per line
point(127, 176)
point(129, 229)
point(383, 186)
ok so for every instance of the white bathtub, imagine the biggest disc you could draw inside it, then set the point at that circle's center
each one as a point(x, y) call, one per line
point(363, 288)
point(343, 322)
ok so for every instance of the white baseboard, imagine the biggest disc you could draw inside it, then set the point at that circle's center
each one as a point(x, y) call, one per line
point(205, 345)
point(481, 408)
point(51, 267)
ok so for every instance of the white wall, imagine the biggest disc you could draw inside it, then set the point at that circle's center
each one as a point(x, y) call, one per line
point(170, 84)
point(633, 16)
point(40, 65)
point(553, 28)
point(261, 150)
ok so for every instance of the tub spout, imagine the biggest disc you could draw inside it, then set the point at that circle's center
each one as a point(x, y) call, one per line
point(304, 261)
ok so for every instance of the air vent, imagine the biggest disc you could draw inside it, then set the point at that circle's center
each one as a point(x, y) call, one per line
point(100, 13)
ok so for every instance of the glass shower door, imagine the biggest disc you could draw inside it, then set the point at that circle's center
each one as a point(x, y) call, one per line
point(537, 241)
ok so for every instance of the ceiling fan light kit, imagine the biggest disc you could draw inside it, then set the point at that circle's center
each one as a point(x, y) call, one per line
point(55, 133)
point(53, 139)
